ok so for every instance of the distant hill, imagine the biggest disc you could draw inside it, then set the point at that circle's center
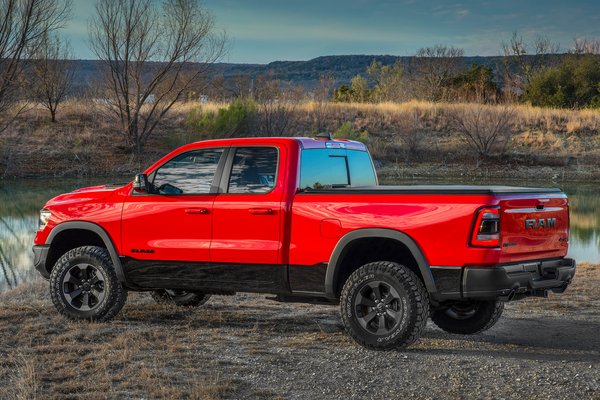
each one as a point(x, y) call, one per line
point(305, 73)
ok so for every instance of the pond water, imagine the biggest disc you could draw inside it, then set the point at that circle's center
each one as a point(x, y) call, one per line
point(20, 202)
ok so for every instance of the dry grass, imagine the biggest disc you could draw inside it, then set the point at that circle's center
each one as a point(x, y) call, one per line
point(23, 378)
point(151, 351)
point(84, 142)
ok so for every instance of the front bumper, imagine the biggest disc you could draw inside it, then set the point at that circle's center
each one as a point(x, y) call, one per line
point(40, 254)
point(508, 282)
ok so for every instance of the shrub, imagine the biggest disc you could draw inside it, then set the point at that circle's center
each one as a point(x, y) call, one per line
point(486, 129)
point(237, 119)
point(573, 84)
point(345, 131)
point(343, 94)
point(474, 84)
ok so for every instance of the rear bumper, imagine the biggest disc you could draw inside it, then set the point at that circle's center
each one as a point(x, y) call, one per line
point(40, 254)
point(508, 282)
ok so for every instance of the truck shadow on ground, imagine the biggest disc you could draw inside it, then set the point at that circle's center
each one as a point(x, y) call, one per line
point(544, 338)
point(533, 338)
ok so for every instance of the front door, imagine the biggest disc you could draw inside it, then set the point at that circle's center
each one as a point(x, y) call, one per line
point(247, 213)
point(173, 221)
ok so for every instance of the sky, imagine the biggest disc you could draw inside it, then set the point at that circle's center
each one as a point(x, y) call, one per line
point(262, 31)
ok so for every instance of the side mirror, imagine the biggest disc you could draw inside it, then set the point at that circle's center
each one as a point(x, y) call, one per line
point(140, 183)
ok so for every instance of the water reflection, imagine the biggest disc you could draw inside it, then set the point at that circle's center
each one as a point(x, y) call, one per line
point(20, 202)
point(585, 222)
point(15, 264)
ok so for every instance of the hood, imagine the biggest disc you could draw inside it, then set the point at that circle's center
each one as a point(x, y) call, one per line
point(92, 193)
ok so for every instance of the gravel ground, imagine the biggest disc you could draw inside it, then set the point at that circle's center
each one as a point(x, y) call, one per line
point(247, 347)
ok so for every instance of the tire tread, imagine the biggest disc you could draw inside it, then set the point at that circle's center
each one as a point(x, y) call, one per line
point(117, 296)
point(417, 293)
point(480, 322)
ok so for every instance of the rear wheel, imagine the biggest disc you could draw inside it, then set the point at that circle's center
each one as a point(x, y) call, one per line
point(84, 285)
point(384, 306)
point(179, 297)
point(470, 317)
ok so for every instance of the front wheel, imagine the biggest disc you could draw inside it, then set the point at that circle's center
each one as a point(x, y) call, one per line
point(180, 297)
point(468, 318)
point(84, 285)
point(384, 306)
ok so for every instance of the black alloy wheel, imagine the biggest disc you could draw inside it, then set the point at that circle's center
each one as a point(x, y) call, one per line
point(83, 287)
point(378, 307)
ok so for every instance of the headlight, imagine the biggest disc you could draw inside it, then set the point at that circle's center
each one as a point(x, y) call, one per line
point(44, 218)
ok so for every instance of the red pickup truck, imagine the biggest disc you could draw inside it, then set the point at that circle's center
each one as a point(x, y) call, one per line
point(304, 219)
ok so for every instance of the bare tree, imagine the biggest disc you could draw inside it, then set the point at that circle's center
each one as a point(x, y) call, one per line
point(408, 127)
point(321, 101)
point(23, 26)
point(522, 60)
point(277, 103)
point(52, 71)
point(239, 86)
point(485, 128)
point(586, 46)
point(151, 55)
point(432, 69)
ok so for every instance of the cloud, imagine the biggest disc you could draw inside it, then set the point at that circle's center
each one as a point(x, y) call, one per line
point(462, 13)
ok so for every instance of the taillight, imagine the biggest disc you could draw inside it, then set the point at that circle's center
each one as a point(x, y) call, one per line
point(486, 231)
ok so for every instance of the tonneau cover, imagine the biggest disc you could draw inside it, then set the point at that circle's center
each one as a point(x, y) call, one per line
point(438, 189)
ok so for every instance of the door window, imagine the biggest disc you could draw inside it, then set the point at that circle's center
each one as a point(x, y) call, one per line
point(188, 173)
point(254, 170)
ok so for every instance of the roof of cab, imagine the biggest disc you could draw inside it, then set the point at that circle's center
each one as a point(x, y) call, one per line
point(302, 142)
point(305, 142)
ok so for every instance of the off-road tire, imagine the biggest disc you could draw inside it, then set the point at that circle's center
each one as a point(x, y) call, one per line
point(484, 315)
point(180, 298)
point(410, 305)
point(99, 261)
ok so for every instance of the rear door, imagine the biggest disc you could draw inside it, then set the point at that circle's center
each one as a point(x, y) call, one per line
point(534, 226)
point(247, 213)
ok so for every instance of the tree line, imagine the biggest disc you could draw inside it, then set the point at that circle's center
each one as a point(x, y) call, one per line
point(531, 72)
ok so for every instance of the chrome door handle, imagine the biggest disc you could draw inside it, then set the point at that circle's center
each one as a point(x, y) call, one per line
point(196, 211)
point(260, 211)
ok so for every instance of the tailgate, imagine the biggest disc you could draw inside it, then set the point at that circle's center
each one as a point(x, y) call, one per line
point(535, 225)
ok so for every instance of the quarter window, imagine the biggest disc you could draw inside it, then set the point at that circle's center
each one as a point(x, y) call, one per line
point(361, 168)
point(335, 168)
point(188, 173)
point(254, 170)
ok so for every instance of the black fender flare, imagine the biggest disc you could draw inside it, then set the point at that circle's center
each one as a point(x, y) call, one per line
point(401, 237)
point(97, 229)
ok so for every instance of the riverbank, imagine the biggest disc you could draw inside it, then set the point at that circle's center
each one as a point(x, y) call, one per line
point(413, 139)
point(246, 347)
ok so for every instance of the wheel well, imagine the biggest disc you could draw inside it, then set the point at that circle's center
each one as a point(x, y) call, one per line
point(70, 239)
point(366, 250)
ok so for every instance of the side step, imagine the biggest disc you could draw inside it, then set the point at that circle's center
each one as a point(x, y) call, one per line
point(284, 298)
